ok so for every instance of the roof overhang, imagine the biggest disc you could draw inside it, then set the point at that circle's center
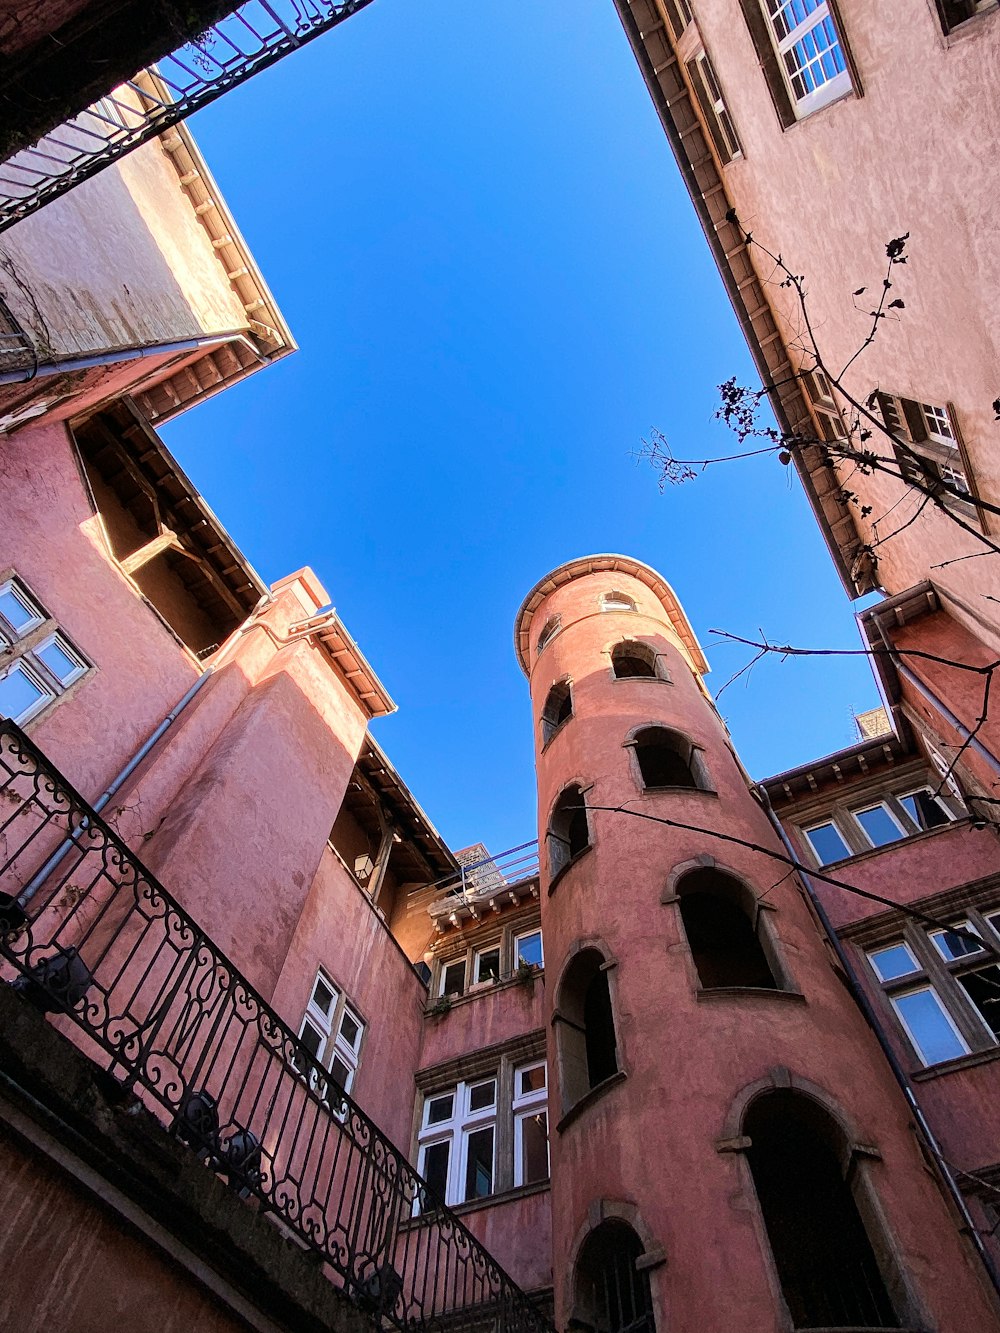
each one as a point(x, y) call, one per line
point(596, 564)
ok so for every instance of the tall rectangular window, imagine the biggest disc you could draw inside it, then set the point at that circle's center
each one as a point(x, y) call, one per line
point(37, 660)
point(705, 83)
point(929, 448)
point(531, 1125)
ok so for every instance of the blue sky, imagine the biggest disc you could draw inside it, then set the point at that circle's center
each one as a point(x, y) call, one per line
point(470, 218)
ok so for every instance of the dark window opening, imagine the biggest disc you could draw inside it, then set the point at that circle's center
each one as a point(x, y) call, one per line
point(585, 1036)
point(602, 1049)
point(665, 759)
point(617, 601)
point(633, 660)
point(826, 1263)
point(720, 934)
point(954, 12)
point(549, 631)
point(558, 709)
point(569, 831)
point(611, 1294)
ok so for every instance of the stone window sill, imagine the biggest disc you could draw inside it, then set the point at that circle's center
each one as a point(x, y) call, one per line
point(704, 993)
point(567, 866)
point(477, 1205)
point(589, 1098)
point(960, 1062)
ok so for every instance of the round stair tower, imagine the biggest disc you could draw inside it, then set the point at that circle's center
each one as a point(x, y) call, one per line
point(690, 996)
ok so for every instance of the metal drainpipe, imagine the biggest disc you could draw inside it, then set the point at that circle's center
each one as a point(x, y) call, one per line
point(111, 358)
point(924, 1131)
point(925, 690)
point(37, 880)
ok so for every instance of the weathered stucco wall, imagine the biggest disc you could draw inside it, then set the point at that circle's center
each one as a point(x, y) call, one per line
point(902, 154)
point(119, 261)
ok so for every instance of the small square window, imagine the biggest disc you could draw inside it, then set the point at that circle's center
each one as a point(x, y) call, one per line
point(439, 1109)
point(323, 996)
point(953, 947)
point(341, 1074)
point(60, 659)
point(528, 950)
point(896, 961)
point(453, 978)
point(531, 1080)
point(17, 608)
point(483, 1095)
point(925, 809)
point(350, 1029)
point(488, 965)
point(312, 1039)
point(827, 843)
point(879, 825)
point(21, 693)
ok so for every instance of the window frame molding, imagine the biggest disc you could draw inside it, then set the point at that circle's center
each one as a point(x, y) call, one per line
point(695, 760)
point(661, 671)
point(841, 813)
point(917, 435)
point(550, 729)
point(505, 938)
point(330, 1047)
point(941, 976)
point(502, 1063)
point(20, 649)
point(766, 46)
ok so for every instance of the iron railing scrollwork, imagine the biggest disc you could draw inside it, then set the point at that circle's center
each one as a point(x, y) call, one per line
point(89, 935)
point(255, 35)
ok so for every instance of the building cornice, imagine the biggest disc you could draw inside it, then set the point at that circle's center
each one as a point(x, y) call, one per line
point(597, 564)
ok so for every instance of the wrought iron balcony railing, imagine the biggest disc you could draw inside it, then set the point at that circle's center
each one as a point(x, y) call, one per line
point(256, 34)
point(87, 933)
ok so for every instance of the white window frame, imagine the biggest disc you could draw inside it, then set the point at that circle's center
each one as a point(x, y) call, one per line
point(942, 1008)
point(23, 644)
point(495, 947)
point(875, 805)
point(526, 1105)
point(813, 828)
point(456, 1131)
point(929, 790)
point(523, 935)
point(442, 979)
point(831, 89)
point(332, 1042)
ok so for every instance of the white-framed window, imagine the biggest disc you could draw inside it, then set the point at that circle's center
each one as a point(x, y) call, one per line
point(528, 949)
point(617, 601)
point(898, 815)
point(879, 825)
point(332, 1031)
point(531, 1125)
point(453, 977)
point(827, 842)
point(457, 1141)
point(467, 1138)
point(810, 55)
point(486, 965)
point(37, 660)
point(944, 986)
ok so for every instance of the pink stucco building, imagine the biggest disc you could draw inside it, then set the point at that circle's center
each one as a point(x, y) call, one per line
point(706, 1053)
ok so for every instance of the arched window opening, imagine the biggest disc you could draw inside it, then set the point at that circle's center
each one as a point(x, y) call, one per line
point(631, 659)
point(569, 831)
point(616, 601)
point(558, 709)
point(721, 934)
point(826, 1261)
point(585, 1032)
point(611, 1294)
point(549, 631)
point(667, 759)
